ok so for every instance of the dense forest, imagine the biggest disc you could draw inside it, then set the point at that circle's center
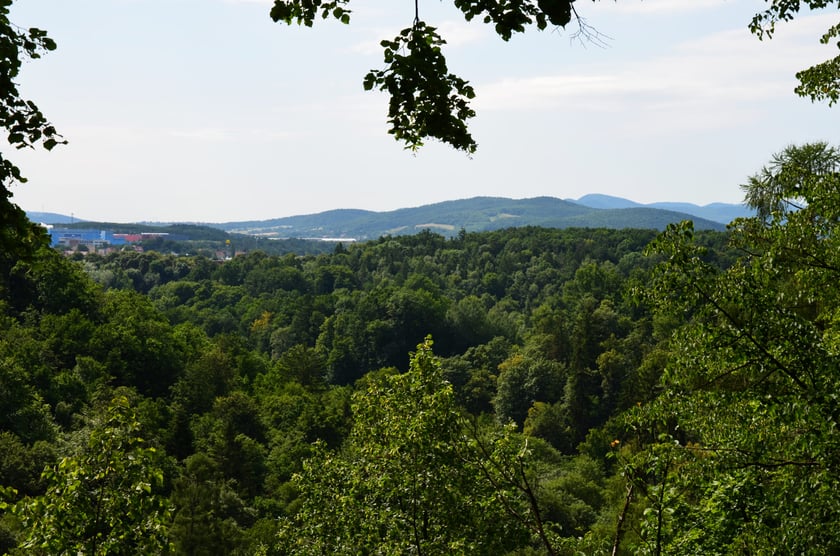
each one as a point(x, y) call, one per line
point(521, 391)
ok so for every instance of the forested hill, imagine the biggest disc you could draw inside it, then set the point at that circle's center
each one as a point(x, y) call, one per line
point(473, 215)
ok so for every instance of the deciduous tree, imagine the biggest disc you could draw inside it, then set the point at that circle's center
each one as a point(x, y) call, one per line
point(411, 479)
point(26, 127)
point(751, 388)
point(101, 500)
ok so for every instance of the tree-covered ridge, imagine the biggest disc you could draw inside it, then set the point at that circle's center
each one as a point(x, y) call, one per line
point(470, 214)
point(282, 236)
point(478, 214)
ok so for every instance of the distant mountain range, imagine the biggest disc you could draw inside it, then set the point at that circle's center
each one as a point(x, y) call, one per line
point(716, 212)
point(491, 213)
point(478, 214)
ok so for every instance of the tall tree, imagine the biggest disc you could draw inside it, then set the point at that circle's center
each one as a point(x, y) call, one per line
point(750, 402)
point(410, 480)
point(26, 127)
point(206, 507)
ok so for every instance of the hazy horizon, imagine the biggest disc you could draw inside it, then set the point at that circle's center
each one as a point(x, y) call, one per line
point(221, 114)
point(81, 218)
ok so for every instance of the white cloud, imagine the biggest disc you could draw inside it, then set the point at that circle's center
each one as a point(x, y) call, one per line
point(704, 83)
point(662, 6)
point(459, 33)
point(230, 135)
point(205, 134)
point(369, 45)
point(123, 134)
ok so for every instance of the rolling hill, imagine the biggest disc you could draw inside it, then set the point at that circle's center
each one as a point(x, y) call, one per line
point(473, 215)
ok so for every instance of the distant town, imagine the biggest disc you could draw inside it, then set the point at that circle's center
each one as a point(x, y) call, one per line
point(97, 241)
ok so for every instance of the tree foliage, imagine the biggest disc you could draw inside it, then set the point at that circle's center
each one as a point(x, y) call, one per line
point(426, 101)
point(26, 127)
point(101, 500)
point(821, 81)
point(417, 475)
point(750, 402)
point(403, 483)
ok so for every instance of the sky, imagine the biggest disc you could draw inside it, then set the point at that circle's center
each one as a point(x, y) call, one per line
point(207, 111)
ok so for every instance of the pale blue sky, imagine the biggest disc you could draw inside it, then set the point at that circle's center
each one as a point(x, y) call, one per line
point(206, 110)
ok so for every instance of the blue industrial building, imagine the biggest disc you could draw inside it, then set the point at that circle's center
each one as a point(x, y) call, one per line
point(73, 237)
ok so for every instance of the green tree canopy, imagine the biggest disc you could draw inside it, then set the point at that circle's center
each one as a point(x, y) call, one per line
point(750, 402)
point(412, 480)
point(103, 499)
